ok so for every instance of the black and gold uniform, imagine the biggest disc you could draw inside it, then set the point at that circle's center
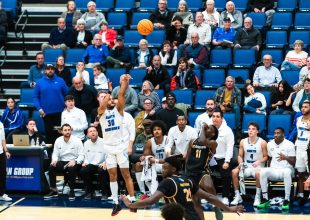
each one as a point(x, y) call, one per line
point(197, 162)
point(178, 189)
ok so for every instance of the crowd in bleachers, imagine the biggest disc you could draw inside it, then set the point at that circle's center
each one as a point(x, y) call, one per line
point(200, 56)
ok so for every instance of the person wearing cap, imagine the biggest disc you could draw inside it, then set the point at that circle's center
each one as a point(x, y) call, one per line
point(82, 37)
point(164, 103)
point(179, 189)
point(235, 16)
point(224, 36)
point(48, 99)
point(170, 114)
point(60, 37)
point(71, 15)
point(119, 55)
point(93, 18)
point(108, 34)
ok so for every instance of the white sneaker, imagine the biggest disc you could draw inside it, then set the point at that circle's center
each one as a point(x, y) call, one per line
point(256, 201)
point(5, 197)
point(110, 198)
point(203, 201)
point(237, 200)
point(225, 201)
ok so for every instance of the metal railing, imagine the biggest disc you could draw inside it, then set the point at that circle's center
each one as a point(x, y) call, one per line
point(19, 29)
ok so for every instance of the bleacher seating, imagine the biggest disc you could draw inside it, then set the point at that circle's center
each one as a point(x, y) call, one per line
point(277, 56)
point(282, 20)
point(39, 121)
point(201, 97)
point(299, 35)
point(10, 6)
point(128, 5)
point(221, 58)
point(260, 119)
point(213, 78)
point(259, 20)
point(276, 39)
point(241, 5)
point(50, 55)
point(244, 58)
point(302, 20)
point(81, 5)
point(284, 5)
point(117, 20)
point(105, 6)
point(192, 118)
point(184, 96)
point(113, 75)
point(239, 74)
point(148, 5)
point(73, 56)
point(132, 38)
point(137, 77)
point(156, 38)
point(304, 5)
point(291, 76)
point(138, 16)
point(280, 120)
point(25, 100)
point(230, 119)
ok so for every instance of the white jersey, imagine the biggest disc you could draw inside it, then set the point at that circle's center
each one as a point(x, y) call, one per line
point(286, 147)
point(112, 127)
point(253, 152)
point(159, 149)
point(303, 135)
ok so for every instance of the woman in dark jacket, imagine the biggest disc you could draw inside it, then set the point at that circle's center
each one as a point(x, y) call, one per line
point(279, 98)
point(82, 37)
point(62, 71)
point(176, 33)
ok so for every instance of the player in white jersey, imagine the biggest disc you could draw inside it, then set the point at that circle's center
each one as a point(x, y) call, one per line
point(252, 155)
point(111, 121)
point(282, 154)
point(301, 143)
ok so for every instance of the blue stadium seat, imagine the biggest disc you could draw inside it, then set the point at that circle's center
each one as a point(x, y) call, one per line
point(128, 5)
point(138, 16)
point(117, 20)
point(26, 117)
point(105, 6)
point(258, 118)
point(184, 96)
point(113, 75)
point(73, 56)
point(201, 97)
point(25, 100)
point(282, 20)
point(81, 4)
point(230, 119)
point(213, 78)
point(242, 73)
point(286, 5)
point(280, 120)
point(91, 76)
point(148, 5)
point(220, 5)
point(277, 56)
point(192, 118)
point(160, 93)
point(221, 58)
point(244, 58)
point(132, 38)
point(39, 121)
point(259, 20)
point(276, 39)
point(50, 55)
point(156, 38)
point(304, 5)
point(302, 20)
point(299, 35)
point(194, 5)
point(241, 4)
point(267, 95)
point(291, 76)
point(173, 5)
point(10, 6)
point(137, 77)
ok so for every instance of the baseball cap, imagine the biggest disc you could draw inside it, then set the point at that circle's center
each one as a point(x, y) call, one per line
point(226, 19)
point(50, 66)
point(163, 99)
point(170, 94)
point(119, 37)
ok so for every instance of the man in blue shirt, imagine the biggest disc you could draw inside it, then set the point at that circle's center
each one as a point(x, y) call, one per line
point(96, 53)
point(224, 36)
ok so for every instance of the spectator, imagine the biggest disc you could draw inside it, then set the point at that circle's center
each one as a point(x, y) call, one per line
point(176, 33)
point(205, 117)
point(93, 18)
point(303, 74)
point(262, 6)
point(100, 80)
point(75, 117)
point(82, 72)
point(254, 102)
point(85, 96)
point(202, 29)
point(3, 26)
point(81, 36)
point(62, 71)
point(279, 99)
point(210, 14)
point(60, 37)
point(144, 55)
point(157, 74)
point(161, 17)
point(36, 72)
point(234, 15)
point(12, 118)
point(183, 12)
point(266, 75)
point(248, 36)
point(95, 53)
point(48, 98)
point(185, 77)
point(224, 36)
point(147, 91)
point(168, 55)
point(120, 55)
point(301, 96)
point(95, 116)
point(145, 113)
point(71, 16)
point(131, 98)
point(295, 59)
point(108, 34)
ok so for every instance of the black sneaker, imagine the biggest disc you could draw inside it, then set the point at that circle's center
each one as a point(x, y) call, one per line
point(116, 209)
point(71, 195)
point(88, 196)
point(51, 194)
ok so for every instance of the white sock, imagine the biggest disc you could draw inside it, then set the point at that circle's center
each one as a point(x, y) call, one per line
point(301, 195)
point(237, 193)
point(114, 191)
point(265, 196)
point(287, 197)
point(140, 183)
point(258, 192)
point(132, 199)
point(148, 184)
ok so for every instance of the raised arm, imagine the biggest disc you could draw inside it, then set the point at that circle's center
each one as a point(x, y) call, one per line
point(124, 81)
point(103, 104)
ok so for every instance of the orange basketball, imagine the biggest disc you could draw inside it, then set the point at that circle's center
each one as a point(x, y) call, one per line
point(145, 27)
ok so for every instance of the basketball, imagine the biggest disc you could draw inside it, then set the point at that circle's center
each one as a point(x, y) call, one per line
point(145, 27)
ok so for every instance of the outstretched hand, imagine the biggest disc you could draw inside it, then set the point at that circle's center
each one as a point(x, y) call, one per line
point(237, 209)
point(125, 199)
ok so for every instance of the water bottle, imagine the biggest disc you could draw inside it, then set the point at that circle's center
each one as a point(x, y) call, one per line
point(37, 142)
point(32, 142)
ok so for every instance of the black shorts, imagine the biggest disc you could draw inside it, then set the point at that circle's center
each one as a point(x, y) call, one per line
point(196, 178)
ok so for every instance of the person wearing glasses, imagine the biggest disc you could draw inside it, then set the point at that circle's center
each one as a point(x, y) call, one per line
point(161, 17)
